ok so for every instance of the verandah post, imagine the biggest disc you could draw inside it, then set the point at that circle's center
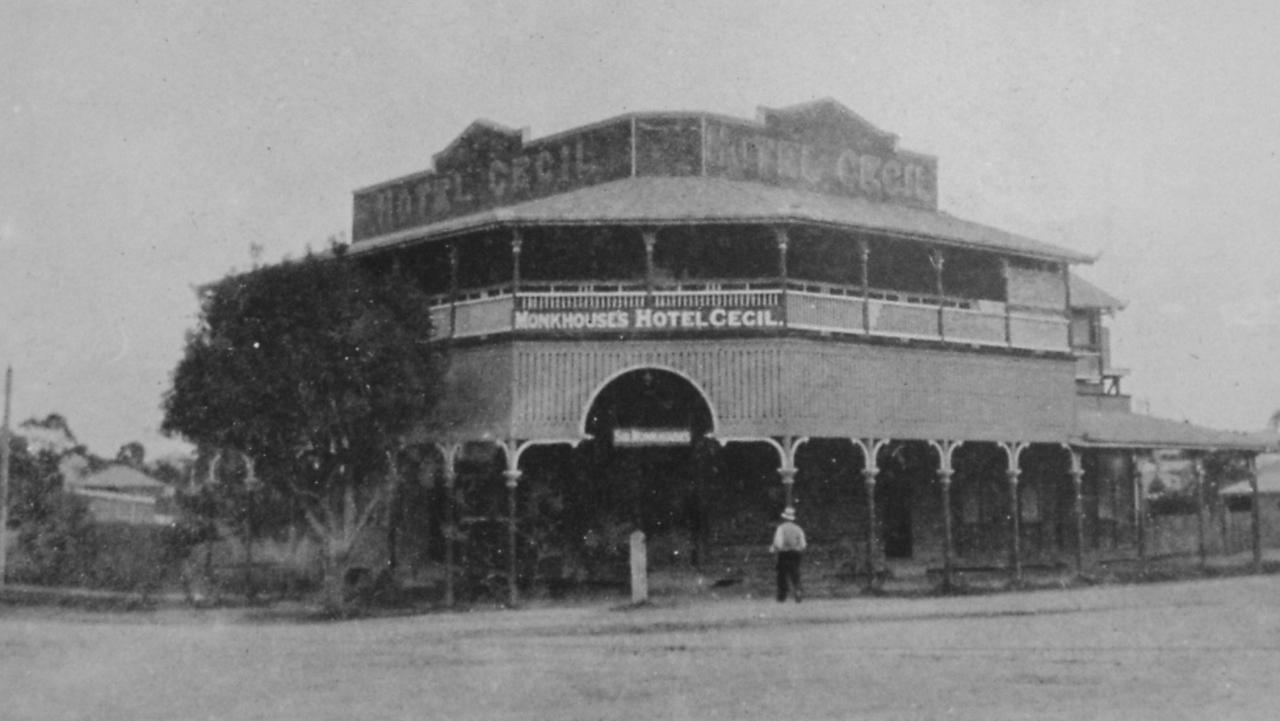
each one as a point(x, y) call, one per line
point(449, 469)
point(517, 245)
point(870, 448)
point(1140, 509)
point(650, 238)
point(1202, 521)
point(1255, 514)
point(1077, 487)
point(939, 260)
point(864, 251)
point(512, 477)
point(787, 470)
point(780, 234)
point(1013, 452)
point(946, 469)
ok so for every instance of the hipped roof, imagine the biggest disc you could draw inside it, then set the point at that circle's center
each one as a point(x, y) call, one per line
point(686, 200)
point(118, 477)
point(1119, 429)
point(1087, 295)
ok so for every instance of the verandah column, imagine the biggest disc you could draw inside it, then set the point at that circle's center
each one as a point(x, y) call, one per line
point(864, 251)
point(1255, 514)
point(938, 260)
point(512, 477)
point(870, 448)
point(453, 288)
point(517, 245)
point(946, 469)
point(1013, 452)
point(1077, 486)
point(1140, 504)
point(780, 234)
point(787, 471)
point(449, 456)
point(1006, 274)
point(1202, 521)
point(650, 237)
point(786, 447)
point(512, 450)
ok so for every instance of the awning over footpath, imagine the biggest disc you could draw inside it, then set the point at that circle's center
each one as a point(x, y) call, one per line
point(684, 200)
point(1117, 429)
point(1268, 479)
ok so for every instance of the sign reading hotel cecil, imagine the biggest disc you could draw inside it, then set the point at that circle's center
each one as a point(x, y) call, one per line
point(821, 147)
point(744, 153)
point(646, 320)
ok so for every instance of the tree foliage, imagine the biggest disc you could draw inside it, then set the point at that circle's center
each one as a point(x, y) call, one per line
point(54, 533)
point(315, 371)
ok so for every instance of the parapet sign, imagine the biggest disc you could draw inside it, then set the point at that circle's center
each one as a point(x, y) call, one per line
point(821, 147)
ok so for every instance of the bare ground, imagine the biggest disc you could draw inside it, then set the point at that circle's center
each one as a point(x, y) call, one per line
point(1208, 649)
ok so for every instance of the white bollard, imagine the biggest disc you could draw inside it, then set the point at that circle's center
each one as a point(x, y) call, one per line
point(639, 569)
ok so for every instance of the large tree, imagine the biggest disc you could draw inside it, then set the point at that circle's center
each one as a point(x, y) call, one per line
point(315, 370)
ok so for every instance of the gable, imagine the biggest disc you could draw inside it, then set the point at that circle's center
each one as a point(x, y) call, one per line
point(827, 122)
point(480, 139)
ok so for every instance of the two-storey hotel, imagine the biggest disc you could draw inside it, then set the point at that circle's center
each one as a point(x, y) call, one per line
point(686, 321)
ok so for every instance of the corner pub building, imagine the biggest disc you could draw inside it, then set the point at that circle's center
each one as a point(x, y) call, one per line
point(684, 322)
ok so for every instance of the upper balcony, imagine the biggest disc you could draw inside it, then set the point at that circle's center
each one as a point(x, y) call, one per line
point(619, 310)
point(741, 279)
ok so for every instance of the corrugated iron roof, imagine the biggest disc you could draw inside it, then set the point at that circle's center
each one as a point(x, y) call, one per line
point(1087, 295)
point(686, 200)
point(1132, 430)
point(118, 477)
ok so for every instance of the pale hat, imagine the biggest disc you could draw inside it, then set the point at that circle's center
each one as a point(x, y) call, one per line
point(789, 514)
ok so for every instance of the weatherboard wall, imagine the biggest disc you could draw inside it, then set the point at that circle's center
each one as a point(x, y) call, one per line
point(541, 389)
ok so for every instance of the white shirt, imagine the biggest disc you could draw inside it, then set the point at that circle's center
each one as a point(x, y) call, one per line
point(788, 537)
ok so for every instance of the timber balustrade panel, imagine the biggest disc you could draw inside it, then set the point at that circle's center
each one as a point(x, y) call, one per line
point(820, 310)
point(904, 320)
point(440, 323)
point(483, 316)
point(974, 326)
point(1041, 332)
point(551, 300)
point(716, 298)
point(826, 313)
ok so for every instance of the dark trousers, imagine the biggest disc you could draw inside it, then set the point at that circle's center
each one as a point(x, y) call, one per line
point(788, 574)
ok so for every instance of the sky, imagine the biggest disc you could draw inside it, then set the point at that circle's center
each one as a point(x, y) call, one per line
point(148, 147)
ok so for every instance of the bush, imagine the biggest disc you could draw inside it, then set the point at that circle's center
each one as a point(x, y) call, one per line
point(136, 558)
point(57, 546)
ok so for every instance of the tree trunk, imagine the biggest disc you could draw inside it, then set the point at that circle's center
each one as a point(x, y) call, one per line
point(337, 556)
point(250, 590)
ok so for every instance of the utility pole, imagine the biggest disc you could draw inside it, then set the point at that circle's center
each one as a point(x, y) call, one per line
point(4, 476)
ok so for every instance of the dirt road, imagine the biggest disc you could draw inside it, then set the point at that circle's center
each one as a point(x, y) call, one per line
point(1209, 649)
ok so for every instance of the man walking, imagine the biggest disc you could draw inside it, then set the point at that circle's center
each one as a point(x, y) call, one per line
point(788, 544)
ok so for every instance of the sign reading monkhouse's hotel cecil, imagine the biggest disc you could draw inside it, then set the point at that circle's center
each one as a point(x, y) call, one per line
point(708, 319)
point(825, 149)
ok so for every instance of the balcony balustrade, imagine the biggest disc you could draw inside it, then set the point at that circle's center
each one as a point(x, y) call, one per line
point(795, 305)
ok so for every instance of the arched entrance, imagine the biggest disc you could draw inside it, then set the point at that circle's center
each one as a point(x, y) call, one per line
point(650, 460)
